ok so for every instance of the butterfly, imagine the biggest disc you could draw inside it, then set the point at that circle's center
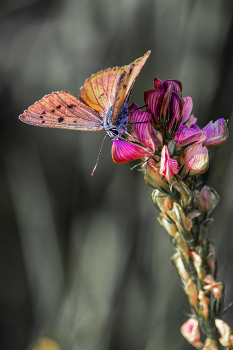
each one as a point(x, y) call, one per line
point(102, 104)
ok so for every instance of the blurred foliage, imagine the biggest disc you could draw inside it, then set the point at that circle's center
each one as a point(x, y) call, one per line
point(83, 260)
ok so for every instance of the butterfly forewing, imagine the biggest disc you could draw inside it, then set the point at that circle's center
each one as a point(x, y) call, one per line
point(125, 85)
point(62, 110)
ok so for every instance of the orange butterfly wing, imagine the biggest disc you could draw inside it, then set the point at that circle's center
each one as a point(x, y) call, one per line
point(99, 91)
point(62, 110)
point(111, 87)
point(125, 85)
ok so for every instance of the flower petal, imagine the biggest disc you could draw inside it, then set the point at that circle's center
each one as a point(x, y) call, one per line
point(191, 122)
point(143, 132)
point(175, 84)
point(175, 114)
point(153, 99)
point(186, 135)
point(168, 166)
point(158, 84)
point(123, 152)
point(217, 133)
point(187, 108)
point(191, 333)
point(196, 159)
point(153, 178)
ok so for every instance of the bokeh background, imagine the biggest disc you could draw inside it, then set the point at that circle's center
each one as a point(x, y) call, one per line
point(83, 262)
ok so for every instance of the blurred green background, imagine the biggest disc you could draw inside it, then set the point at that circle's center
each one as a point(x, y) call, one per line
point(83, 260)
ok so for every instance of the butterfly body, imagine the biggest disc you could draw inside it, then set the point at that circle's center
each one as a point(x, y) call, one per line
point(102, 104)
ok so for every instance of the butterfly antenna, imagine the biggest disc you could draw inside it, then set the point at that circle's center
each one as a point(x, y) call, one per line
point(136, 109)
point(98, 156)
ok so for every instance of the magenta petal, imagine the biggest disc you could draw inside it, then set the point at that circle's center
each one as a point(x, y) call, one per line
point(187, 108)
point(217, 133)
point(143, 132)
point(186, 135)
point(175, 84)
point(158, 84)
point(123, 152)
point(154, 99)
point(133, 107)
point(174, 166)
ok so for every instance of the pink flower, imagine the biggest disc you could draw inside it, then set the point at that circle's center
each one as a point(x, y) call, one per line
point(145, 139)
point(168, 166)
point(167, 107)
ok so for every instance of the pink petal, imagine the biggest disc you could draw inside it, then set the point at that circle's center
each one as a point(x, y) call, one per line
point(143, 132)
point(217, 133)
point(187, 108)
point(191, 122)
point(196, 159)
point(175, 84)
point(168, 166)
point(123, 152)
point(207, 197)
point(191, 333)
point(186, 135)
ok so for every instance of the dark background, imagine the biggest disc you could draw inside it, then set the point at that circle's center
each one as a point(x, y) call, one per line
point(83, 260)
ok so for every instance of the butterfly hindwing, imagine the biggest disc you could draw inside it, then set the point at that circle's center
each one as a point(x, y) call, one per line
point(62, 110)
point(99, 91)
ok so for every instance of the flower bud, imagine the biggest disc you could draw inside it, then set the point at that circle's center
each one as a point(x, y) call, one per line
point(217, 133)
point(190, 331)
point(225, 332)
point(195, 159)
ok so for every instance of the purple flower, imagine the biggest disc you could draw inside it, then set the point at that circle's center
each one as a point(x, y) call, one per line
point(167, 107)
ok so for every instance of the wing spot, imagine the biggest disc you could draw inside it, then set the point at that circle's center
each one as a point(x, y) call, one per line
point(53, 110)
point(75, 121)
point(43, 122)
point(71, 105)
point(60, 120)
point(59, 106)
point(43, 112)
point(41, 117)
